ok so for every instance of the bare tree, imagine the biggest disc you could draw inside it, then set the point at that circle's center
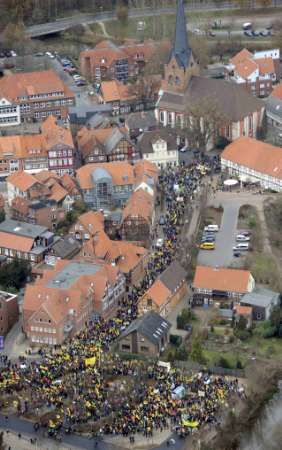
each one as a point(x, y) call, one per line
point(203, 119)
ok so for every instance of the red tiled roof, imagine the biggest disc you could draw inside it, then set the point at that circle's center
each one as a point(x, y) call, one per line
point(221, 279)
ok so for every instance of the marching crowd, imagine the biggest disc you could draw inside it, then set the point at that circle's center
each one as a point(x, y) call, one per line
point(69, 388)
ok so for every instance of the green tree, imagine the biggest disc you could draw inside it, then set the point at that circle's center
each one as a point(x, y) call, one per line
point(197, 351)
point(14, 274)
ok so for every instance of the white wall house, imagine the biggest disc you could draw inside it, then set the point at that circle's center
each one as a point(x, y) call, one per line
point(254, 161)
point(160, 147)
point(9, 113)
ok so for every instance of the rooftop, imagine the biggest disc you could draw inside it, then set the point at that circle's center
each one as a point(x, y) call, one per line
point(221, 279)
point(22, 228)
point(69, 274)
point(151, 325)
point(261, 297)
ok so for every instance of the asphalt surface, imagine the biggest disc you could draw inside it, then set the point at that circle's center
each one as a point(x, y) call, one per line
point(65, 23)
point(222, 256)
point(25, 428)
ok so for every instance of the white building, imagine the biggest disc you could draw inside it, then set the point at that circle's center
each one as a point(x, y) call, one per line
point(159, 147)
point(254, 161)
point(9, 113)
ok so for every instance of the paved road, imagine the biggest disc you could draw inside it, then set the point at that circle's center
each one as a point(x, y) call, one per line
point(64, 24)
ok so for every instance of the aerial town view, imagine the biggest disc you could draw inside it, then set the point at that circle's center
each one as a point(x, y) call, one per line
point(140, 224)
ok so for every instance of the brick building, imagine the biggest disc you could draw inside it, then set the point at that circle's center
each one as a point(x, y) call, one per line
point(168, 289)
point(52, 149)
point(108, 61)
point(9, 311)
point(25, 241)
point(130, 259)
point(64, 298)
point(147, 335)
point(38, 94)
point(257, 72)
point(106, 145)
point(241, 112)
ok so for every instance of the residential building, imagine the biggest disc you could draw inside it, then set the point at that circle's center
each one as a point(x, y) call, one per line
point(168, 290)
point(146, 176)
point(128, 98)
point(254, 161)
point(138, 217)
point(9, 113)
point(137, 123)
point(67, 247)
point(257, 72)
point(25, 241)
point(38, 94)
point(106, 185)
point(216, 284)
point(9, 311)
point(274, 109)
point(52, 149)
point(106, 145)
point(241, 112)
point(147, 335)
point(261, 301)
point(159, 147)
point(243, 311)
point(64, 298)
point(107, 61)
point(130, 259)
point(60, 147)
point(42, 199)
point(80, 115)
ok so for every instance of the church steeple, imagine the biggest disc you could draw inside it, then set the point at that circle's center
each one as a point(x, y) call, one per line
point(181, 50)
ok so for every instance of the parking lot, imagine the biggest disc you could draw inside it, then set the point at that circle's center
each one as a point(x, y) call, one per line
point(222, 255)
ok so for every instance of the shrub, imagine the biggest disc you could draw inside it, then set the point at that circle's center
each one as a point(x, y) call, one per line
point(239, 364)
point(176, 340)
point(181, 354)
point(252, 222)
point(223, 362)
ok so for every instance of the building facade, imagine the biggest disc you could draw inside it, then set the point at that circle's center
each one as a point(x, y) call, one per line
point(9, 311)
point(63, 299)
point(37, 94)
point(257, 72)
point(9, 113)
point(106, 185)
point(159, 147)
point(254, 161)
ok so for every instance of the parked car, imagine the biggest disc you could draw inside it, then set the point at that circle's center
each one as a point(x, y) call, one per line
point(207, 246)
point(242, 238)
point(237, 254)
point(247, 26)
point(159, 242)
point(208, 239)
point(211, 227)
point(255, 33)
point(248, 33)
point(39, 54)
point(244, 246)
point(50, 55)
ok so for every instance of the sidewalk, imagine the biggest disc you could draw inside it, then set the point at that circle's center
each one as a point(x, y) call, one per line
point(11, 440)
point(140, 441)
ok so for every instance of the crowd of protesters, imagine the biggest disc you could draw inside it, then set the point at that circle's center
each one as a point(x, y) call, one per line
point(69, 388)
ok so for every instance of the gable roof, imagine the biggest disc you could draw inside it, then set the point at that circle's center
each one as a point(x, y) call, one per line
point(14, 242)
point(173, 276)
point(140, 204)
point(148, 138)
point(246, 68)
point(120, 172)
point(151, 325)
point(114, 91)
point(158, 293)
point(241, 56)
point(22, 180)
point(265, 65)
point(221, 279)
point(257, 155)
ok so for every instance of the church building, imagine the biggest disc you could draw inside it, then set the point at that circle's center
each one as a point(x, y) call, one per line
point(241, 112)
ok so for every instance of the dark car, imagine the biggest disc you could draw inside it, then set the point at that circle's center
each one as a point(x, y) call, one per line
point(237, 254)
point(255, 33)
point(209, 239)
point(248, 33)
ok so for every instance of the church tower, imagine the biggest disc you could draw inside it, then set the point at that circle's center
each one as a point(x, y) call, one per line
point(182, 64)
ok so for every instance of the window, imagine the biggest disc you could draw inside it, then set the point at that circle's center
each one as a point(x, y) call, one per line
point(144, 348)
point(149, 303)
point(125, 347)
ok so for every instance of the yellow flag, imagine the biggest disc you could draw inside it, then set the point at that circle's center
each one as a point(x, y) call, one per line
point(90, 361)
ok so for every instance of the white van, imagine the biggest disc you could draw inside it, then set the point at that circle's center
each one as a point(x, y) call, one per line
point(211, 228)
point(241, 247)
point(242, 238)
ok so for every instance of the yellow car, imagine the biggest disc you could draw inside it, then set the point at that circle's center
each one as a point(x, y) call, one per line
point(207, 246)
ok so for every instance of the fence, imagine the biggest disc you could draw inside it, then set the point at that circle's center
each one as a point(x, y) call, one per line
point(195, 367)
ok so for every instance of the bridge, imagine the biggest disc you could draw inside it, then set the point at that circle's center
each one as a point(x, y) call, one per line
point(64, 24)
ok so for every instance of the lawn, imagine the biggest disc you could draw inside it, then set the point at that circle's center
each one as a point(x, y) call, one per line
point(232, 357)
